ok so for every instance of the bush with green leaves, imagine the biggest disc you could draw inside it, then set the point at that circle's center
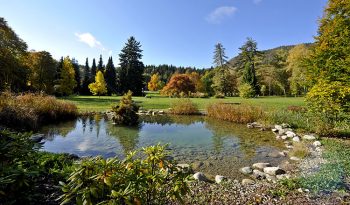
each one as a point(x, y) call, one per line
point(331, 98)
point(125, 112)
point(151, 178)
point(24, 171)
point(246, 91)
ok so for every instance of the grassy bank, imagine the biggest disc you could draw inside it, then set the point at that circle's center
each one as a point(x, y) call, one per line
point(29, 111)
point(103, 103)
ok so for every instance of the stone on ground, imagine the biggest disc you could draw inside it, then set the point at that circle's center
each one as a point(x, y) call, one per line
point(261, 165)
point(246, 170)
point(273, 171)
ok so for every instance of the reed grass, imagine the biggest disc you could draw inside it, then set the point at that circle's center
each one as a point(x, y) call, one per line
point(235, 113)
point(29, 111)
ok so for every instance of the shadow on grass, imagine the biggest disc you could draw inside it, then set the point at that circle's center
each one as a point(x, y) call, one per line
point(92, 100)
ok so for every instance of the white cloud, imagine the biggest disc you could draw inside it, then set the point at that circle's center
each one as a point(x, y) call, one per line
point(110, 53)
point(90, 40)
point(220, 13)
point(257, 1)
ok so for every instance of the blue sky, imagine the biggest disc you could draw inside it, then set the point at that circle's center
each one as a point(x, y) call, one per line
point(178, 32)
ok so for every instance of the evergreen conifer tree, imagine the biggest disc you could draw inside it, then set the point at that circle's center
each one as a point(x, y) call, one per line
point(100, 65)
point(111, 77)
point(249, 52)
point(75, 64)
point(131, 68)
point(86, 79)
point(93, 70)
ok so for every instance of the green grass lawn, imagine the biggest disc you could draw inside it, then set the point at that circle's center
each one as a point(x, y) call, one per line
point(103, 103)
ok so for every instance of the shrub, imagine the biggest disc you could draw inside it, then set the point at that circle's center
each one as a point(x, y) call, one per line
point(246, 91)
point(126, 112)
point(183, 107)
point(331, 98)
point(28, 176)
point(235, 113)
point(151, 180)
point(30, 111)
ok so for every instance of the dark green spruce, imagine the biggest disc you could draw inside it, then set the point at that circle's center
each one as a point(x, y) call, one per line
point(86, 80)
point(111, 77)
point(131, 68)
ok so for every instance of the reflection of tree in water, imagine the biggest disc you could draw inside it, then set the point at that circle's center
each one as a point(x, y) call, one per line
point(62, 129)
point(171, 119)
point(127, 136)
point(97, 122)
point(83, 122)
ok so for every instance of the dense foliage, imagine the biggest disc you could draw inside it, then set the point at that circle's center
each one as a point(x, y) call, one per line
point(330, 62)
point(126, 111)
point(13, 73)
point(26, 175)
point(153, 179)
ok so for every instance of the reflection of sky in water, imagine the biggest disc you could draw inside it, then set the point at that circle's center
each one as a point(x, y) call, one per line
point(97, 136)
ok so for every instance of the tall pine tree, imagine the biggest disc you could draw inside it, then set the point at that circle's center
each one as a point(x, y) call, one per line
point(131, 68)
point(219, 55)
point(86, 80)
point(249, 52)
point(221, 80)
point(75, 64)
point(100, 65)
point(93, 71)
point(111, 77)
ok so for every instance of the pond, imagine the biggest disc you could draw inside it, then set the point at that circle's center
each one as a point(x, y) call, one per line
point(212, 146)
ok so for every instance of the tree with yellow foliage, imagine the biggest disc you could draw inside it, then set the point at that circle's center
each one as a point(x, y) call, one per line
point(155, 83)
point(67, 78)
point(98, 87)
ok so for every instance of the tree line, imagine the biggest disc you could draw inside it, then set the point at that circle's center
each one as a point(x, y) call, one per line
point(319, 70)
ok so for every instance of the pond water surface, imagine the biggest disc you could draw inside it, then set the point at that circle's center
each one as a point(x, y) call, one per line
point(212, 146)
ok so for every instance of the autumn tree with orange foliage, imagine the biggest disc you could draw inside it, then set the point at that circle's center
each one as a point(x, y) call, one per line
point(179, 85)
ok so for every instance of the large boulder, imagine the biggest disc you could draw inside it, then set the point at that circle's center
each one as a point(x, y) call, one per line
point(273, 171)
